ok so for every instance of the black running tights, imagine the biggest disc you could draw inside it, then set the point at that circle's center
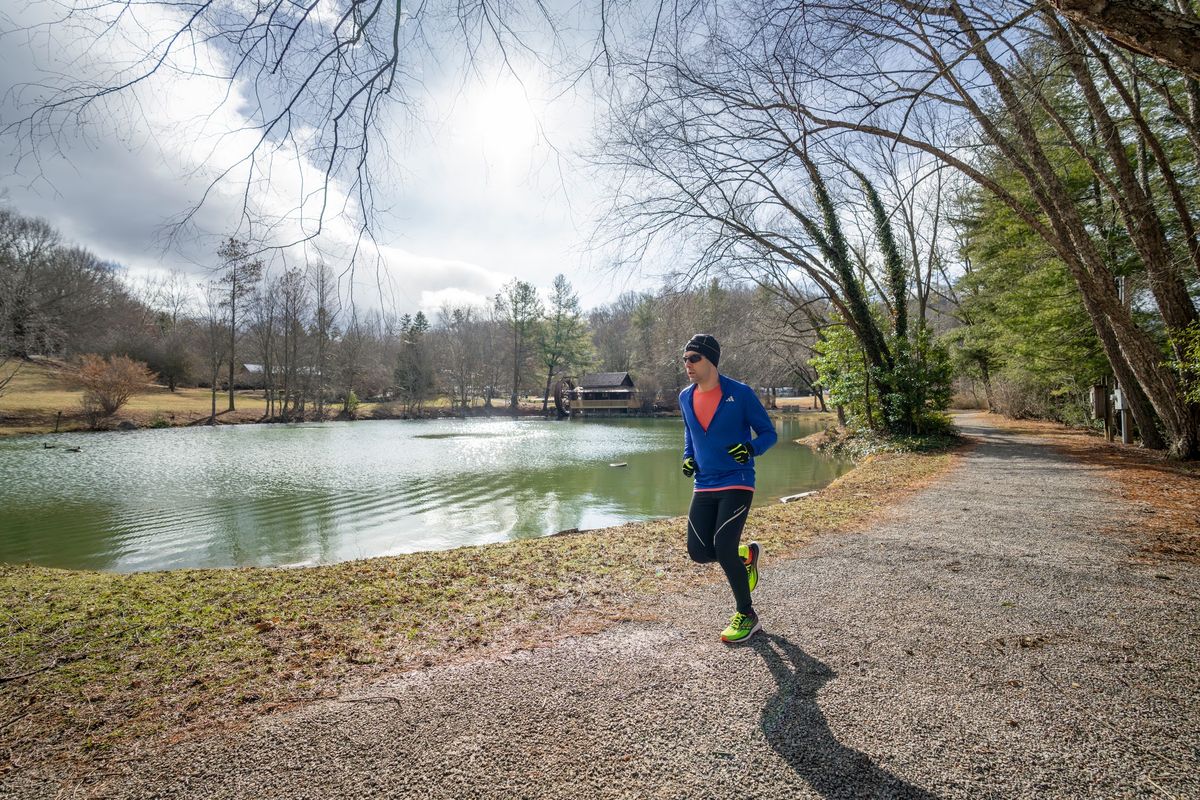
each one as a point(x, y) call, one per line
point(715, 523)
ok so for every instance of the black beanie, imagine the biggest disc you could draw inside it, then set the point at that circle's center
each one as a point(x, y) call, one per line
point(705, 345)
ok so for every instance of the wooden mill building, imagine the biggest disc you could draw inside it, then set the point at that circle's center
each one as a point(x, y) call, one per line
point(605, 393)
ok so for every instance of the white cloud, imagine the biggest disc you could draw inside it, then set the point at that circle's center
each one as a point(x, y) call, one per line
point(403, 281)
point(484, 196)
point(432, 302)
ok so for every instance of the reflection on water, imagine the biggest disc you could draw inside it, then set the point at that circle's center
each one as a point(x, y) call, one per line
point(306, 494)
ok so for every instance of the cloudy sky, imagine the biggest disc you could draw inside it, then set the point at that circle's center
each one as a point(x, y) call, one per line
point(481, 183)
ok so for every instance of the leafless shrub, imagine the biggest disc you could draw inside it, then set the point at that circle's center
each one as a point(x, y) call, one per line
point(108, 383)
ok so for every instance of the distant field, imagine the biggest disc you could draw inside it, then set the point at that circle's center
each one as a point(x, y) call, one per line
point(40, 390)
point(797, 403)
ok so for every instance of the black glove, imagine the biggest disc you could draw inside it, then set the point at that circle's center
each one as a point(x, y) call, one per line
point(689, 467)
point(741, 452)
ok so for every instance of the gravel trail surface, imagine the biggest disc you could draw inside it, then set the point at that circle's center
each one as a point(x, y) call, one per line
point(994, 636)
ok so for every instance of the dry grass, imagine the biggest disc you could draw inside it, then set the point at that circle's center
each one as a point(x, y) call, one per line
point(804, 404)
point(32, 401)
point(1164, 494)
point(41, 389)
point(92, 663)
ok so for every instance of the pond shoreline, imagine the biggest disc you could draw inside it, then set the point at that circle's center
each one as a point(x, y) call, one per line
point(31, 423)
point(42, 401)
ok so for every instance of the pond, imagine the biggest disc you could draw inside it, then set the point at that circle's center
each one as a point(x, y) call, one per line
point(281, 495)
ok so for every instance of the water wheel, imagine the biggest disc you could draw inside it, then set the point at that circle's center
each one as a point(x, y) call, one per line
point(562, 396)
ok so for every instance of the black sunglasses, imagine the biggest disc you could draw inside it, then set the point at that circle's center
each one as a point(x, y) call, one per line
point(693, 358)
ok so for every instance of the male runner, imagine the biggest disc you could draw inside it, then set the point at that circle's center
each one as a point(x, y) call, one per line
point(718, 415)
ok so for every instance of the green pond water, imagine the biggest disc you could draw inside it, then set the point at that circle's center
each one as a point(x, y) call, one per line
point(275, 495)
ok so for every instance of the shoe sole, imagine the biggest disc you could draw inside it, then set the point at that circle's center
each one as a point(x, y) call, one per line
point(757, 627)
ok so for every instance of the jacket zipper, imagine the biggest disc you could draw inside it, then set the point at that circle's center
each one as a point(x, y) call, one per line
point(720, 403)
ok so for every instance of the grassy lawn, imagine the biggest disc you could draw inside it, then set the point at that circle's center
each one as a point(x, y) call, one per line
point(804, 404)
point(31, 402)
point(40, 390)
point(92, 663)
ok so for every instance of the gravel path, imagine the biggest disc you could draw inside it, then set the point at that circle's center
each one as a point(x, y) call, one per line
point(984, 639)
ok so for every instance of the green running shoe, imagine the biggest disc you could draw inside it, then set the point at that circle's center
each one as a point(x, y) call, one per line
point(751, 554)
point(741, 628)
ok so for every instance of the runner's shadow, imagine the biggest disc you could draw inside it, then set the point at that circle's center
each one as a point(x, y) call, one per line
point(797, 729)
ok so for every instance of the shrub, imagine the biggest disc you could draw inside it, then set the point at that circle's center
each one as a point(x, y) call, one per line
point(108, 383)
point(1188, 367)
point(906, 400)
point(352, 402)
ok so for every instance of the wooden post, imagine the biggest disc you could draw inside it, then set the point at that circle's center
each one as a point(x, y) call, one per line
point(1108, 417)
point(57, 420)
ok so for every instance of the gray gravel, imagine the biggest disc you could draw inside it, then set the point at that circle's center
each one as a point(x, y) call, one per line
point(994, 636)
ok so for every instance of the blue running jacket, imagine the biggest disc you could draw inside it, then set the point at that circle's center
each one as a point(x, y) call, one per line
point(739, 412)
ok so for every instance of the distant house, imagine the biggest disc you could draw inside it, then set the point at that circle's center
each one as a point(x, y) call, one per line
point(249, 376)
point(605, 393)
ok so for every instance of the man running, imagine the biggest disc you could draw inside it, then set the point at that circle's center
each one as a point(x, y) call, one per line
point(718, 415)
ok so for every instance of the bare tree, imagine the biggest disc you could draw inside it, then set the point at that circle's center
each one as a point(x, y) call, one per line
point(264, 318)
point(214, 322)
point(313, 84)
point(240, 274)
point(833, 73)
point(293, 311)
point(324, 291)
point(463, 332)
point(108, 383)
point(351, 360)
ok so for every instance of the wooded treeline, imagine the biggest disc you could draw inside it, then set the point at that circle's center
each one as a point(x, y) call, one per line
point(314, 357)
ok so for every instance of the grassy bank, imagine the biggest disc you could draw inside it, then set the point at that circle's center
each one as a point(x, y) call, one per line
point(41, 399)
point(41, 390)
point(93, 662)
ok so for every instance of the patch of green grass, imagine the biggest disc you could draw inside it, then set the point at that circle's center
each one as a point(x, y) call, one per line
point(93, 661)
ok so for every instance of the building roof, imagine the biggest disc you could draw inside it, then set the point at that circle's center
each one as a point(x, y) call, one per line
point(605, 380)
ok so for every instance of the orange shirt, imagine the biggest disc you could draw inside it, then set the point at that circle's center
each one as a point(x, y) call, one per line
point(705, 404)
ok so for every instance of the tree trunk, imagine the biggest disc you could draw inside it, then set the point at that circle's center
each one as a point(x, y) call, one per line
point(232, 337)
point(1142, 26)
point(516, 368)
point(867, 390)
point(986, 377)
